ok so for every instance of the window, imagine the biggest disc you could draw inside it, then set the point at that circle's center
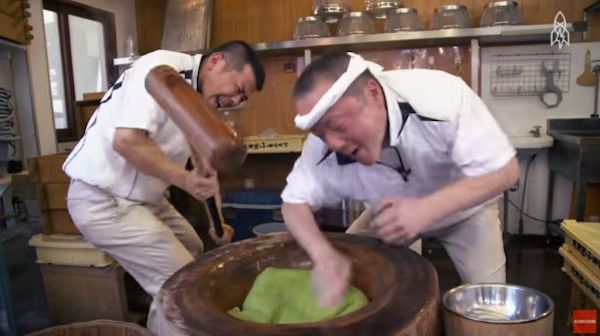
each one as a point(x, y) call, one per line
point(80, 42)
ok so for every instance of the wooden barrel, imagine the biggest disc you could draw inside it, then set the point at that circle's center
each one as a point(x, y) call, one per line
point(402, 287)
point(95, 328)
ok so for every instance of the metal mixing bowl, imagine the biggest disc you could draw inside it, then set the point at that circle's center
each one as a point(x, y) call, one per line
point(498, 303)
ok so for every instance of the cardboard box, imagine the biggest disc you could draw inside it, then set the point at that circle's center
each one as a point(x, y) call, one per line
point(48, 168)
point(49, 185)
point(58, 221)
point(85, 293)
point(54, 196)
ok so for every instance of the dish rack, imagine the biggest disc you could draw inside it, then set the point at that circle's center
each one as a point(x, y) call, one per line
point(522, 75)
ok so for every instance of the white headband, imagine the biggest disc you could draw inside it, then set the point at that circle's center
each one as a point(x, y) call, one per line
point(356, 67)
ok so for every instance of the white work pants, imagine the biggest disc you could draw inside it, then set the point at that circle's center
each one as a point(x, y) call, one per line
point(150, 241)
point(475, 246)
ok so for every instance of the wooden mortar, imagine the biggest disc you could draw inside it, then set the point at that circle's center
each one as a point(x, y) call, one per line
point(402, 287)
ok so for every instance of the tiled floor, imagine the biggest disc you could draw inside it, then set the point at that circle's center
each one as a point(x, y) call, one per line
point(530, 262)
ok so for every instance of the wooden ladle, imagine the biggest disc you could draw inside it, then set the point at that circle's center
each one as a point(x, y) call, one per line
point(587, 78)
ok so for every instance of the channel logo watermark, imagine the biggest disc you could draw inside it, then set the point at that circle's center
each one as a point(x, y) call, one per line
point(560, 34)
point(584, 321)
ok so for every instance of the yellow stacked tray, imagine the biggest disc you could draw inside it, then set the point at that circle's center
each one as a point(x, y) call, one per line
point(581, 252)
point(68, 250)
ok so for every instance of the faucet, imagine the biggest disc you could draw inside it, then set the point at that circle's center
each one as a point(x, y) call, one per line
point(536, 131)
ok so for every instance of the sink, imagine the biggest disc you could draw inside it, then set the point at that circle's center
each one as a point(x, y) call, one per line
point(575, 155)
point(583, 133)
point(528, 141)
point(576, 130)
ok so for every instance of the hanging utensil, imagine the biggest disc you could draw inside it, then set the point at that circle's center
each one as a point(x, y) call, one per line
point(587, 78)
point(550, 89)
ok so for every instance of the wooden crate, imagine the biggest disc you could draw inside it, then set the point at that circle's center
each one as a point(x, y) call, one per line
point(77, 294)
point(581, 275)
point(582, 241)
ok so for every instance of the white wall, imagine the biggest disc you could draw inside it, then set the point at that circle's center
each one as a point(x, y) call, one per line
point(124, 11)
point(517, 115)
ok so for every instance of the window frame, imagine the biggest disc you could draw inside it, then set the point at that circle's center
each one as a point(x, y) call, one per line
point(64, 8)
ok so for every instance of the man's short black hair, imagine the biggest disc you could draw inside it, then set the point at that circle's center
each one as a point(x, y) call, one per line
point(327, 67)
point(237, 55)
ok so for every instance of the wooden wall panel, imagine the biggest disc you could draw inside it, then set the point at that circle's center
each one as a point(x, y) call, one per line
point(262, 170)
point(272, 109)
point(150, 21)
point(274, 20)
point(256, 20)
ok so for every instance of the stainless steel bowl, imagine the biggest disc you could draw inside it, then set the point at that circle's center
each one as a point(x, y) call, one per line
point(450, 16)
point(356, 23)
point(403, 19)
point(498, 303)
point(500, 13)
point(309, 27)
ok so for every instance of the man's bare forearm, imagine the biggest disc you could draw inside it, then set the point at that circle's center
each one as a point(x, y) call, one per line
point(146, 156)
point(301, 224)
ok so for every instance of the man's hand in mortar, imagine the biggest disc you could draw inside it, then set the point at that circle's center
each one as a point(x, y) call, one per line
point(227, 234)
point(330, 277)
